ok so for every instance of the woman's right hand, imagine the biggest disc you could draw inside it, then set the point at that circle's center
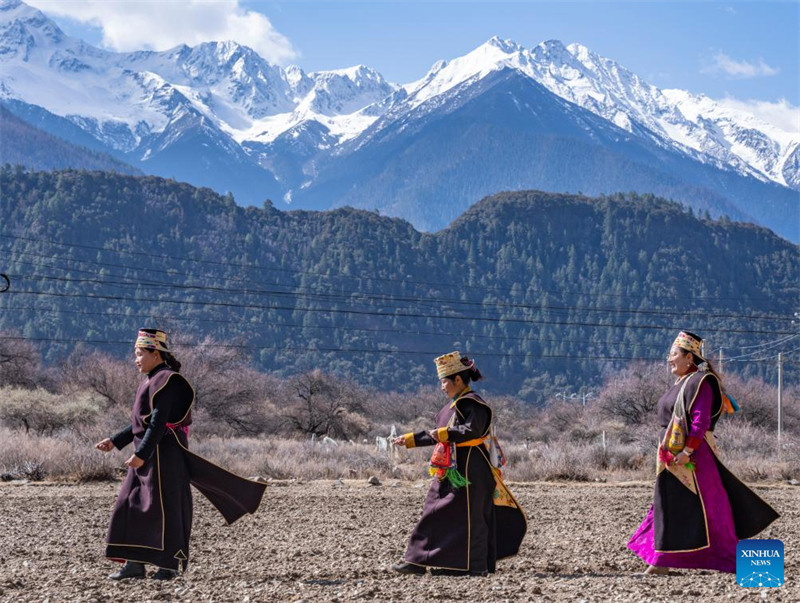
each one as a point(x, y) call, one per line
point(399, 441)
point(105, 445)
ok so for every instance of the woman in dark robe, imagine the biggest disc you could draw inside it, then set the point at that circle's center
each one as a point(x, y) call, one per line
point(700, 509)
point(152, 518)
point(469, 519)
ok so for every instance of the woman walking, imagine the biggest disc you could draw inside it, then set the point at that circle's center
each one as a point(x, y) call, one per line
point(469, 518)
point(700, 509)
point(152, 518)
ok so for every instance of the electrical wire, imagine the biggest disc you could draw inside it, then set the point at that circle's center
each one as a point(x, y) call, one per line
point(173, 258)
point(388, 315)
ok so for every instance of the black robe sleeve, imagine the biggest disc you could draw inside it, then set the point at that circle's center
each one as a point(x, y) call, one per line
point(423, 438)
point(122, 438)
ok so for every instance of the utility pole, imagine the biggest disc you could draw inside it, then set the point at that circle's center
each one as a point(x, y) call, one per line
point(720, 361)
point(780, 397)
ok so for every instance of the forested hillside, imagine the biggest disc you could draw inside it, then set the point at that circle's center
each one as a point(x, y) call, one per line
point(548, 291)
point(21, 143)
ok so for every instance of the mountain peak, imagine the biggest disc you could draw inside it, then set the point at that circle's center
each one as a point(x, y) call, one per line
point(24, 28)
point(15, 11)
point(507, 46)
point(8, 7)
point(353, 73)
point(580, 52)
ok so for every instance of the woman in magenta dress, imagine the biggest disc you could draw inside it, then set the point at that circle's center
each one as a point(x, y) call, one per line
point(700, 509)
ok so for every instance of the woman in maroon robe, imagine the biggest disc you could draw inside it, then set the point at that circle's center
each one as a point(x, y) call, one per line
point(469, 519)
point(700, 509)
point(152, 518)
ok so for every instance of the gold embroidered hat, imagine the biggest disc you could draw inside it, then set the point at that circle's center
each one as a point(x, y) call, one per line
point(690, 343)
point(152, 339)
point(450, 364)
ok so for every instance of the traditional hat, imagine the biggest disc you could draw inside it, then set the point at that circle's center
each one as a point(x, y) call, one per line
point(152, 339)
point(690, 343)
point(450, 364)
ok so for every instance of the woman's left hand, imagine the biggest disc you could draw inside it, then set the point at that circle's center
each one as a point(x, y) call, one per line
point(134, 462)
point(682, 458)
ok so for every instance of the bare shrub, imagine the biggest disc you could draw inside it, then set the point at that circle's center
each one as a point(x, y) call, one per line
point(321, 405)
point(65, 456)
point(554, 463)
point(115, 381)
point(45, 413)
point(227, 388)
point(20, 363)
point(512, 416)
point(406, 408)
point(758, 402)
point(632, 395)
point(30, 470)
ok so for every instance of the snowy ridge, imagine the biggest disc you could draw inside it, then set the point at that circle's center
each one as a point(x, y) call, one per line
point(697, 125)
point(129, 101)
point(229, 84)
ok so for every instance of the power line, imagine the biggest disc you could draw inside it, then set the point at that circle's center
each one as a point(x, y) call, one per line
point(765, 358)
point(770, 345)
point(334, 327)
point(174, 258)
point(425, 353)
point(392, 315)
point(350, 295)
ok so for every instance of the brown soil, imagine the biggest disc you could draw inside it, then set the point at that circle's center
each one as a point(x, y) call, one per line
point(322, 541)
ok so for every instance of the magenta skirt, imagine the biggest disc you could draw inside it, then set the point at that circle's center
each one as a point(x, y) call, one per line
point(720, 554)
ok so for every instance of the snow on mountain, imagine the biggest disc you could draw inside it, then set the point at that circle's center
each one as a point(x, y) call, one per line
point(342, 100)
point(230, 84)
point(72, 79)
point(727, 132)
point(126, 100)
point(698, 125)
point(720, 135)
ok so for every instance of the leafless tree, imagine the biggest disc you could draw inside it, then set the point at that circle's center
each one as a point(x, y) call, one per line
point(20, 363)
point(632, 395)
point(319, 404)
point(408, 408)
point(758, 402)
point(114, 380)
point(43, 412)
point(227, 388)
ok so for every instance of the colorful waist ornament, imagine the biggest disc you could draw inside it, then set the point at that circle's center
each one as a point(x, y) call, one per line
point(444, 465)
point(179, 427)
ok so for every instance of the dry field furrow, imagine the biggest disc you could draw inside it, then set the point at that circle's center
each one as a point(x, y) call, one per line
point(319, 541)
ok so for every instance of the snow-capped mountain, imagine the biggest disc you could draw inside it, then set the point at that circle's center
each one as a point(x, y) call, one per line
point(696, 124)
point(126, 96)
point(218, 114)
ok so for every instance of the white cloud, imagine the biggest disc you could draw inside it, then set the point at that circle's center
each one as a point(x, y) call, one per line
point(722, 63)
point(158, 25)
point(781, 114)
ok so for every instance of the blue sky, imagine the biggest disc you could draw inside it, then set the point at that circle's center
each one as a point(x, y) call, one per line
point(745, 50)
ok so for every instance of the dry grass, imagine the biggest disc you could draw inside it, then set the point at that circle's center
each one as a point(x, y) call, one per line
point(64, 456)
point(283, 458)
point(50, 434)
point(67, 456)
